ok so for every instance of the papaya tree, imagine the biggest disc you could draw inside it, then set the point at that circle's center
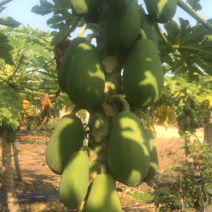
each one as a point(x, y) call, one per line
point(117, 80)
point(26, 64)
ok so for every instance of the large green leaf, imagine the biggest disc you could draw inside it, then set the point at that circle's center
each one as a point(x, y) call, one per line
point(194, 4)
point(46, 7)
point(5, 49)
point(8, 21)
point(191, 50)
point(62, 18)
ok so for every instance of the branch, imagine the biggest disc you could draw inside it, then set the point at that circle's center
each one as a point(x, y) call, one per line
point(194, 14)
point(70, 30)
point(18, 66)
point(3, 2)
point(163, 37)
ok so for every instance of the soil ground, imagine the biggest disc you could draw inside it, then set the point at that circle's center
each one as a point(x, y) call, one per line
point(39, 190)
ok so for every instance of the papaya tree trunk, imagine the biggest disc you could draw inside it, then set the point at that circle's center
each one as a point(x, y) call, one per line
point(208, 133)
point(16, 160)
point(7, 176)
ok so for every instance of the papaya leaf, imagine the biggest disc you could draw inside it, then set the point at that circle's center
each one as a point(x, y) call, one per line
point(192, 49)
point(173, 30)
point(44, 8)
point(8, 21)
point(47, 7)
point(2, 8)
point(5, 49)
point(194, 4)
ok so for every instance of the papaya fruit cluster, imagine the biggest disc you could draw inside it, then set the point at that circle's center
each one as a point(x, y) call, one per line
point(114, 81)
point(188, 116)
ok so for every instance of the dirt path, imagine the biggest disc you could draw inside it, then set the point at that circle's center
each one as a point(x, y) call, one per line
point(39, 189)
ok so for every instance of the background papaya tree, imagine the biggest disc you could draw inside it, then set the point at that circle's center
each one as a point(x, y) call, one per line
point(24, 72)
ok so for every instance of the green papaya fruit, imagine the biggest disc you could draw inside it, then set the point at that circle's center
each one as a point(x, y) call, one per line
point(161, 11)
point(75, 180)
point(85, 79)
point(67, 61)
point(103, 196)
point(121, 27)
point(143, 75)
point(147, 25)
point(153, 168)
point(187, 107)
point(80, 7)
point(128, 156)
point(67, 138)
point(93, 15)
point(192, 113)
point(187, 121)
point(119, 4)
point(194, 123)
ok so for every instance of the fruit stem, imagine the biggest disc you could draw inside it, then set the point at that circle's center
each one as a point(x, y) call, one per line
point(70, 30)
point(89, 37)
point(82, 30)
point(122, 100)
point(74, 110)
point(143, 34)
point(103, 169)
point(86, 149)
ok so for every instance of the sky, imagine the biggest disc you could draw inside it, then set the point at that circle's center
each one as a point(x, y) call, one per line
point(20, 10)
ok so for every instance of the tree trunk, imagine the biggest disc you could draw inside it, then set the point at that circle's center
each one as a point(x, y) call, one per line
point(7, 176)
point(17, 165)
point(208, 133)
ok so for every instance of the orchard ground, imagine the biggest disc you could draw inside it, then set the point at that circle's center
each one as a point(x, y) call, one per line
point(39, 190)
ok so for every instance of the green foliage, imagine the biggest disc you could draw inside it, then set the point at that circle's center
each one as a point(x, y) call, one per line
point(195, 4)
point(10, 105)
point(33, 63)
point(9, 21)
point(185, 42)
point(62, 18)
point(5, 49)
point(144, 197)
point(192, 185)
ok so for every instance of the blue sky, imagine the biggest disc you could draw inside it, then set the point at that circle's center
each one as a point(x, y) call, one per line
point(20, 10)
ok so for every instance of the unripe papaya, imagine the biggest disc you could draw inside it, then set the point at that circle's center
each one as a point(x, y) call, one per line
point(128, 156)
point(161, 11)
point(143, 75)
point(187, 107)
point(147, 25)
point(103, 196)
point(153, 156)
point(194, 123)
point(187, 121)
point(82, 7)
point(67, 61)
point(119, 4)
point(93, 15)
point(122, 26)
point(75, 180)
point(85, 78)
point(67, 138)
